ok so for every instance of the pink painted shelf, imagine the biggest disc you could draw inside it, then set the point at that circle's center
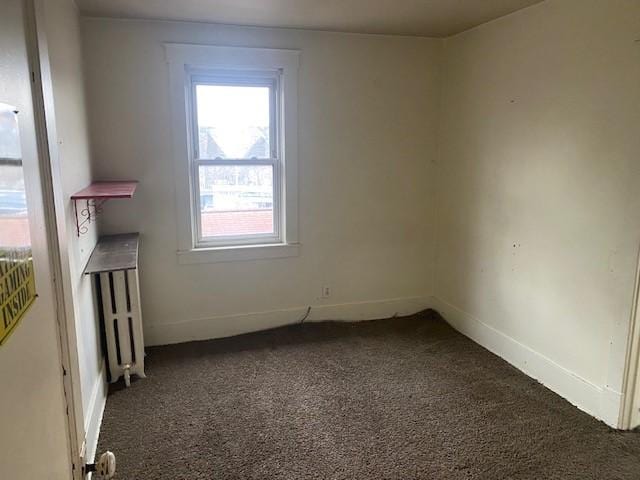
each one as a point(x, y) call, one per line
point(94, 196)
point(106, 190)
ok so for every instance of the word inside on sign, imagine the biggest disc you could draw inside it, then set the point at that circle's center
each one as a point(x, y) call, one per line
point(17, 288)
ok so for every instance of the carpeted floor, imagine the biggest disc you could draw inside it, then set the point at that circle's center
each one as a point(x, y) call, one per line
point(405, 398)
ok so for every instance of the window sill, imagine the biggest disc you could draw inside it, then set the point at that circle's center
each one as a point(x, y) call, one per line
point(237, 253)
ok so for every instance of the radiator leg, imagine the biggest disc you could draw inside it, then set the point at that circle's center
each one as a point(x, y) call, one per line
point(127, 376)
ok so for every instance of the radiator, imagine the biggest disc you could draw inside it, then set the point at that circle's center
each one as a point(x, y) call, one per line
point(123, 323)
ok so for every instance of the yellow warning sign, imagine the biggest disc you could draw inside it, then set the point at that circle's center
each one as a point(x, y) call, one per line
point(17, 288)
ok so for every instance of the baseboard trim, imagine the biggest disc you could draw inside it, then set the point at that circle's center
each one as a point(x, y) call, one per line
point(93, 416)
point(611, 407)
point(588, 397)
point(229, 325)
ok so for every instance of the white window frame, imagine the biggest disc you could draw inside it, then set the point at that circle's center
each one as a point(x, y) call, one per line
point(189, 63)
point(270, 79)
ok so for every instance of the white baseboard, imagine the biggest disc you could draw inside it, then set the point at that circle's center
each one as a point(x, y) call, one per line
point(93, 415)
point(610, 407)
point(595, 400)
point(229, 325)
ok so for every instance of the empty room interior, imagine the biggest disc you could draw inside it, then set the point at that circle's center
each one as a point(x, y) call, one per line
point(294, 239)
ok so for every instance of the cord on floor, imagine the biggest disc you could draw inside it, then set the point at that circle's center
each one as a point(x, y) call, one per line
point(306, 315)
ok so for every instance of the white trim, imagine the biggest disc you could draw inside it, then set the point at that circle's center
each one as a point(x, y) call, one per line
point(183, 58)
point(207, 56)
point(95, 411)
point(229, 325)
point(269, 79)
point(630, 402)
point(610, 404)
point(588, 397)
point(237, 253)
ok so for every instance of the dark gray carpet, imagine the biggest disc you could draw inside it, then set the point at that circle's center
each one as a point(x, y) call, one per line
point(405, 398)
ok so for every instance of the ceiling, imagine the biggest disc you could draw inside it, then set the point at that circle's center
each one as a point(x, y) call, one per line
point(432, 18)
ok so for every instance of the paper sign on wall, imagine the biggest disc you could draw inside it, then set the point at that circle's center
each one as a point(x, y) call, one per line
point(17, 286)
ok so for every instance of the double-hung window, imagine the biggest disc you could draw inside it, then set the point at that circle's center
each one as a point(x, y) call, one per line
point(236, 181)
point(235, 140)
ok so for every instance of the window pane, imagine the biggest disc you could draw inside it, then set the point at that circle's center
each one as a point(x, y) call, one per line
point(14, 222)
point(233, 121)
point(236, 200)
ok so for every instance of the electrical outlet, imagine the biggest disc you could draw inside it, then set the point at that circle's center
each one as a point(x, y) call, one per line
point(326, 292)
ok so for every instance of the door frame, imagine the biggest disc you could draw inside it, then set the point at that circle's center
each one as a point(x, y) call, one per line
point(630, 408)
point(53, 203)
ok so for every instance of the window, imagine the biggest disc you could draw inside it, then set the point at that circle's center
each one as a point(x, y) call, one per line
point(235, 139)
point(236, 163)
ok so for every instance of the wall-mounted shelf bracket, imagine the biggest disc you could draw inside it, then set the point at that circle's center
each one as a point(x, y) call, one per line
point(93, 197)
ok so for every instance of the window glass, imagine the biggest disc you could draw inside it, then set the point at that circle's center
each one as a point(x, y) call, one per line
point(233, 121)
point(236, 200)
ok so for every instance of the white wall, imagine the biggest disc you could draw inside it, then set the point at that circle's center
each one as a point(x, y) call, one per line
point(62, 28)
point(33, 432)
point(538, 191)
point(367, 115)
